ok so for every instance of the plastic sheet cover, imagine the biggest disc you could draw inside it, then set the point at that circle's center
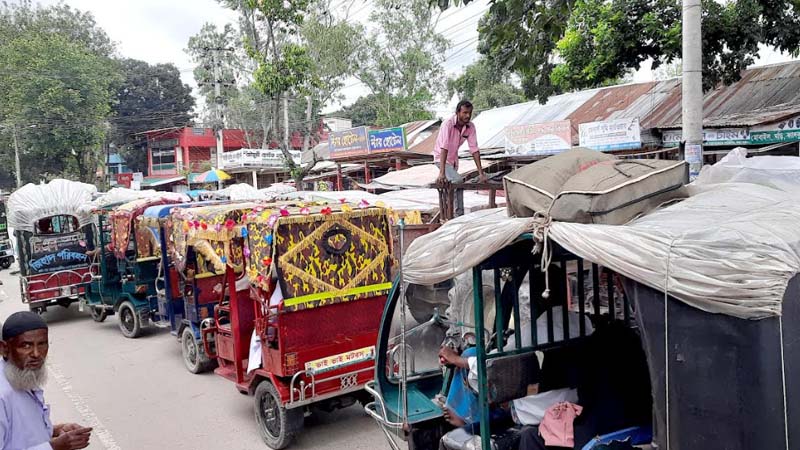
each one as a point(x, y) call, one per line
point(33, 202)
point(730, 248)
point(460, 245)
point(119, 195)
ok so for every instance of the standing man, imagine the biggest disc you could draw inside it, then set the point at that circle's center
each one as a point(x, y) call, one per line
point(453, 132)
point(24, 416)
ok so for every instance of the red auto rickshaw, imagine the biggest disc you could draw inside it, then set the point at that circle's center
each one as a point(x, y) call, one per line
point(298, 327)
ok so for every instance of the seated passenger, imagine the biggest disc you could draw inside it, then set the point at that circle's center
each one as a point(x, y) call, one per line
point(614, 390)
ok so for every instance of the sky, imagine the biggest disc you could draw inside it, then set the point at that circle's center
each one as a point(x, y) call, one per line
point(157, 31)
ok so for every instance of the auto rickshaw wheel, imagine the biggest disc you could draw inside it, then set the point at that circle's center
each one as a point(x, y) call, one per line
point(276, 424)
point(5, 263)
point(194, 356)
point(99, 314)
point(129, 322)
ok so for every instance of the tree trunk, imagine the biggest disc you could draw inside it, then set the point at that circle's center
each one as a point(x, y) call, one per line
point(286, 121)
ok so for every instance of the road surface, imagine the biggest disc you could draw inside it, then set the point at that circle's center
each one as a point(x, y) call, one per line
point(138, 395)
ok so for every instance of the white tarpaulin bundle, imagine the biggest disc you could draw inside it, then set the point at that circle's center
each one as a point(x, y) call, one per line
point(33, 202)
point(730, 248)
point(119, 195)
point(242, 191)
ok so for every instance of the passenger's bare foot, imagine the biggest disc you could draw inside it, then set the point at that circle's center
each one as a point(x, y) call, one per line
point(453, 418)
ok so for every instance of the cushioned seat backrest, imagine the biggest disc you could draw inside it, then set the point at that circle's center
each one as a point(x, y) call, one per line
point(509, 376)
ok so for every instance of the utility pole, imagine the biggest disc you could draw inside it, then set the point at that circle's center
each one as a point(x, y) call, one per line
point(692, 86)
point(219, 124)
point(16, 155)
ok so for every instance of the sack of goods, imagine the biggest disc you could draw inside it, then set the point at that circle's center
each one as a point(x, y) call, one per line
point(587, 186)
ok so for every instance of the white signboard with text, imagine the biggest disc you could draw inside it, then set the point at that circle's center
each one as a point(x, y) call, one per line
point(618, 134)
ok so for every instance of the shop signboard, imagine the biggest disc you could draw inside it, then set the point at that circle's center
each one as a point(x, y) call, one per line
point(538, 138)
point(711, 137)
point(389, 140)
point(348, 143)
point(618, 134)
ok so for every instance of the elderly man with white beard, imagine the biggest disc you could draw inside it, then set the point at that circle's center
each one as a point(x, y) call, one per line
point(24, 416)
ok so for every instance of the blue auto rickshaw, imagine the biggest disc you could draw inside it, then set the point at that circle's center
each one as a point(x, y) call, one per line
point(194, 285)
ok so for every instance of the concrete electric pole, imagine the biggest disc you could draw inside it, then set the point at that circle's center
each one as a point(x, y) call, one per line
point(16, 156)
point(220, 123)
point(692, 86)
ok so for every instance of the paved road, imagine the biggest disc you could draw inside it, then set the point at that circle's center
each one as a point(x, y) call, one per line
point(138, 395)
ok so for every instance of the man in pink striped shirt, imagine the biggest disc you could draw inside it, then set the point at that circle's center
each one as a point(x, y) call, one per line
point(453, 132)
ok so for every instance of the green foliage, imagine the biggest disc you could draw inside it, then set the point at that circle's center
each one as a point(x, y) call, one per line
point(150, 97)
point(363, 112)
point(291, 73)
point(401, 63)
point(562, 45)
point(56, 87)
point(485, 86)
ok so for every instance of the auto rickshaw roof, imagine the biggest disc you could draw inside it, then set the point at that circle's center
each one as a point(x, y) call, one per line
point(33, 202)
point(283, 212)
point(138, 206)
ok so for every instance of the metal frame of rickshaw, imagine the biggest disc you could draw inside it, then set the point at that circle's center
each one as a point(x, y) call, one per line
point(518, 254)
point(293, 389)
point(138, 276)
point(69, 290)
point(193, 314)
point(101, 285)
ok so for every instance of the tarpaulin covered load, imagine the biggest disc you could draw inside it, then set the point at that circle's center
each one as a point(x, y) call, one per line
point(585, 186)
point(33, 202)
point(730, 248)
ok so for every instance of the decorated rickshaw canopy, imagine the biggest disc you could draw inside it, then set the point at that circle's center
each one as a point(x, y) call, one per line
point(34, 202)
point(319, 253)
point(209, 229)
point(123, 216)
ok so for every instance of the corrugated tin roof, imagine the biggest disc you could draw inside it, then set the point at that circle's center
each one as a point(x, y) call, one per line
point(760, 88)
point(608, 101)
point(750, 118)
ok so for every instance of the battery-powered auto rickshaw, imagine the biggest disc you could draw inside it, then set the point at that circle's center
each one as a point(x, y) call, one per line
point(298, 327)
point(193, 285)
point(138, 258)
point(501, 316)
point(52, 235)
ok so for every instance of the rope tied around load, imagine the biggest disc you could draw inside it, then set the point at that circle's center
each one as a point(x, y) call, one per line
point(541, 237)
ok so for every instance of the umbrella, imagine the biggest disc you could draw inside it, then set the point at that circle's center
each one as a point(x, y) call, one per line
point(212, 176)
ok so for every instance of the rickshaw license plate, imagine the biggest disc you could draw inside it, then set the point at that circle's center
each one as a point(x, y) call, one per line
point(341, 360)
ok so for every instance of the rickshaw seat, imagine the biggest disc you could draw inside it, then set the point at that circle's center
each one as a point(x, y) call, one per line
point(509, 376)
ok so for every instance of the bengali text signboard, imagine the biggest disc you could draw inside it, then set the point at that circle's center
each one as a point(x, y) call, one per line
point(538, 138)
point(348, 143)
point(619, 134)
point(711, 137)
point(57, 252)
point(388, 140)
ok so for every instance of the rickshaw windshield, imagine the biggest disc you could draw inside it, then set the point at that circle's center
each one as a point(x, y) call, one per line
point(60, 224)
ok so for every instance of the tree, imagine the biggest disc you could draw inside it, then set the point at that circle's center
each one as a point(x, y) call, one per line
point(150, 97)
point(574, 44)
point(271, 34)
point(333, 47)
point(402, 62)
point(363, 111)
point(244, 106)
point(56, 88)
point(485, 86)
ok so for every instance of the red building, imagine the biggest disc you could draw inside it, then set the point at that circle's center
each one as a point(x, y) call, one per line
point(173, 150)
